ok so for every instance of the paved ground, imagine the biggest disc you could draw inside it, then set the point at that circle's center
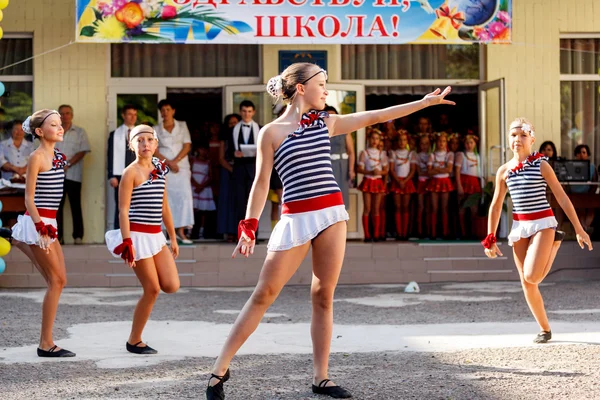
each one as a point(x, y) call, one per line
point(453, 341)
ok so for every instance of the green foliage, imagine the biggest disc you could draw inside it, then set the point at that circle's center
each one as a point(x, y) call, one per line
point(146, 107)
point(483, 200)
point(88, 31)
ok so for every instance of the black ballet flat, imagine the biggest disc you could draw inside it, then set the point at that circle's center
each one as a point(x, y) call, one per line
point(543, 337)
point(337, 392)
point(216, 392)
point(559, 236)
point(133, 348)
point(51, 353)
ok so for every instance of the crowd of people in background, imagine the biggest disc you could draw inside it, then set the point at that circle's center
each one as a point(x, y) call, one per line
point(417, 175)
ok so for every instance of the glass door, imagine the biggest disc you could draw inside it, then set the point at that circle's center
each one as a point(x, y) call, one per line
point(492, 136)
point(145, 99)
point(346, 98)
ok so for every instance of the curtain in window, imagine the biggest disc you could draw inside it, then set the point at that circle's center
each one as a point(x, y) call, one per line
point(142, 60)
point(580, 118)
point(13, 50)
point(580, 100)
point(364, 62)
point(579, 56)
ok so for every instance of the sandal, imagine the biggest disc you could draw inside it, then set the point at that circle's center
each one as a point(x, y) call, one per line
point(133, 348)
point(543, 337)
point(216, 391)
point(559, 236)
point(51, 353)
point(337, 392)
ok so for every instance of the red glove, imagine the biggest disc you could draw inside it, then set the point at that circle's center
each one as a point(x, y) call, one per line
point(125, 250)
point(249, 227)
point(488, 241)
point(46, 230)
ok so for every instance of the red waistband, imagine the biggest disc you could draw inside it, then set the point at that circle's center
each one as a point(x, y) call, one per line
point(316, 203)
point(536, 215)
point(44, 212)
point(135, 227)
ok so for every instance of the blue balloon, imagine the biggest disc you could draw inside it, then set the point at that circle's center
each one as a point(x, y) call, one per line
point(0, 200)
point(1, 224)
point(2, 88)
point(2, 265)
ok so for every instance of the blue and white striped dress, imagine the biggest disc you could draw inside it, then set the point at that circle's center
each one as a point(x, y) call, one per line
point(48, 193)
point(312, 199)
point(527, 188)
point(145, 216)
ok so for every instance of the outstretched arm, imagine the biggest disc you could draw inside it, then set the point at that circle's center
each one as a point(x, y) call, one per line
point(340, 124)
point(565, 203)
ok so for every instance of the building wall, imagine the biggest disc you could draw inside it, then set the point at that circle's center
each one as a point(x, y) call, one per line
point(531, 64)
point(75, 75)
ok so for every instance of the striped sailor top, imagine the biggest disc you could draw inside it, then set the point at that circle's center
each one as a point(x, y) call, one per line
point(303, 161)
point(527, 187)
point(49, 185)
point(147, 199)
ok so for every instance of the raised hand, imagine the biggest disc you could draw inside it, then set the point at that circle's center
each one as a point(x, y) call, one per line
point(438, 97)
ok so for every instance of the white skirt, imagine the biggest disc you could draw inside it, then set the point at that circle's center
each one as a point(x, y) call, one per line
point(525, 229)
point(145, 245)
point(296, 229)
point(24, 230)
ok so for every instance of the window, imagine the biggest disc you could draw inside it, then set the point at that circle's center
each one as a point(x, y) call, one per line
point(139, 60)
point(408, 62)
point(579, 95)
point(17, 99)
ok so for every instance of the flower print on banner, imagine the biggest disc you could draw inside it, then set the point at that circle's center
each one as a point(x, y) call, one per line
point(155, 21)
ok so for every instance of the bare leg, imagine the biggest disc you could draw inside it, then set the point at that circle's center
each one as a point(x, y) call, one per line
point(26, 249)
point(328, 257)
point(55, 275)
point(526, 251)
point(278, 268)
point(145, 270)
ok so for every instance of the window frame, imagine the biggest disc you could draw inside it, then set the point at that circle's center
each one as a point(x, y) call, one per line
point(22, 78)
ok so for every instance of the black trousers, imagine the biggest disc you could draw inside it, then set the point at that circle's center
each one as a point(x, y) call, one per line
point(242, 178)
point(73, 190)
point(117, 224)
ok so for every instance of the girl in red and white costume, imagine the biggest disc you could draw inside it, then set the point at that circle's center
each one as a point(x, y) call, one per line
point(35, 232)
point(373, 163)
point(441, 162)
point(467, 170)
point(403, 164)
point(143, 207)
point(298, 145)
point(533, 236)
point(422, 158)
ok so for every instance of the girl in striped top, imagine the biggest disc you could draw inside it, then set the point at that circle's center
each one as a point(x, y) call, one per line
point(35, 232)
point(143, 207)
point(533, 235)
point(313, 213)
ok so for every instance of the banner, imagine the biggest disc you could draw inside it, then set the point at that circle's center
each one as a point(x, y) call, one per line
point(294, 21)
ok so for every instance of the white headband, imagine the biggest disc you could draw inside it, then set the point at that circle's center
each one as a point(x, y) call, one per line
point(525, 128)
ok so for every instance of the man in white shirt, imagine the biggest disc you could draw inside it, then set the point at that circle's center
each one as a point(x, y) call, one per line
point(15, 152)
point(75, 146)
point(119, 156)
point(244, 164)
